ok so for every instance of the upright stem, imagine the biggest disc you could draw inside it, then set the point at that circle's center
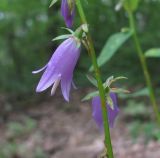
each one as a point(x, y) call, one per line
point(144, 66)
point(108, 143)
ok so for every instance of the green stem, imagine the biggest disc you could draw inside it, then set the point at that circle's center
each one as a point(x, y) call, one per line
point(144, 66)
point(108, 143)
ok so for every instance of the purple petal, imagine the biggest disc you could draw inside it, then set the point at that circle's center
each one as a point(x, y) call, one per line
point(97, 111)
point(61, 67)
point(52, 73)
point(69, 63)
point(112, 113)
point(47, 79)
point(67, 13)
point(66, 86)
point(69, 59)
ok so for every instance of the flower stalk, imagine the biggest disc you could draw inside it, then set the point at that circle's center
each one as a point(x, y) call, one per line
point(92, 53)
point(144, 66)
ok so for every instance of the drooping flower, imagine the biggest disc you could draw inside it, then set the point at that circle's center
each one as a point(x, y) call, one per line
point(97, 110)
point(60, 68)
point(68, 11)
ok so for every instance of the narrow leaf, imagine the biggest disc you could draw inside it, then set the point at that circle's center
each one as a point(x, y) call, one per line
point(90, 96)
point(154, 52)
point(111, 46)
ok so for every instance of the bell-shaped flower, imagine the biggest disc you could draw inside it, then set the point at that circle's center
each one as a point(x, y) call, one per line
point(68, 11)
point(97, 110)
point(60, 68)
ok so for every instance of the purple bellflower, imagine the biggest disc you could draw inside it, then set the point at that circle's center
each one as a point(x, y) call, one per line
point(60, 68)
point(68, 11)
point(97, 111)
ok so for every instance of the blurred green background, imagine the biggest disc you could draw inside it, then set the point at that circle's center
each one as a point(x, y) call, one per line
point(27, 27)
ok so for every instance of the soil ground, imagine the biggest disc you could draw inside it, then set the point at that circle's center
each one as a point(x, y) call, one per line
point(67, 131)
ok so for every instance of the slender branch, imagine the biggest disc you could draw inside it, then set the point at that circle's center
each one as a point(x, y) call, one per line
point(144, 66)
point(108, 143)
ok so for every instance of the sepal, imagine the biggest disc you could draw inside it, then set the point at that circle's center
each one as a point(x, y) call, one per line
point(111, 80)
point(119, 90)
point(69, 30)
point(110, 101)
point(61, 37)
point(92, 80)
point(90, 96)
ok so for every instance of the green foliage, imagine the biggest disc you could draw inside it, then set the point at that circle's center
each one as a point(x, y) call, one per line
point(27, 28)
point(135, 109)
point(24, 39)
point(139, 93)
point(153, 53)
point(8, 150)
point(112, 45)
point(16, 129)
point(13, 149)
point(140, 124)
point(148, 130)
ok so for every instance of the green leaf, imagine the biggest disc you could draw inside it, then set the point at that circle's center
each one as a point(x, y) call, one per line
point(61, 37)
point(90, 95)
point(130, 5)
point(142, 92)
point(53, 2)
point(154, 52)
point(157, 135)
point(135, 108)
point(111, 47)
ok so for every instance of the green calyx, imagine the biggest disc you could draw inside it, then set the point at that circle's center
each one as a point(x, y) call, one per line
point(81, 31)
point(107, 88)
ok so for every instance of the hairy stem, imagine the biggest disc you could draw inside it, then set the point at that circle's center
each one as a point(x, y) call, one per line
point(91, 49)
point(144, 66)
